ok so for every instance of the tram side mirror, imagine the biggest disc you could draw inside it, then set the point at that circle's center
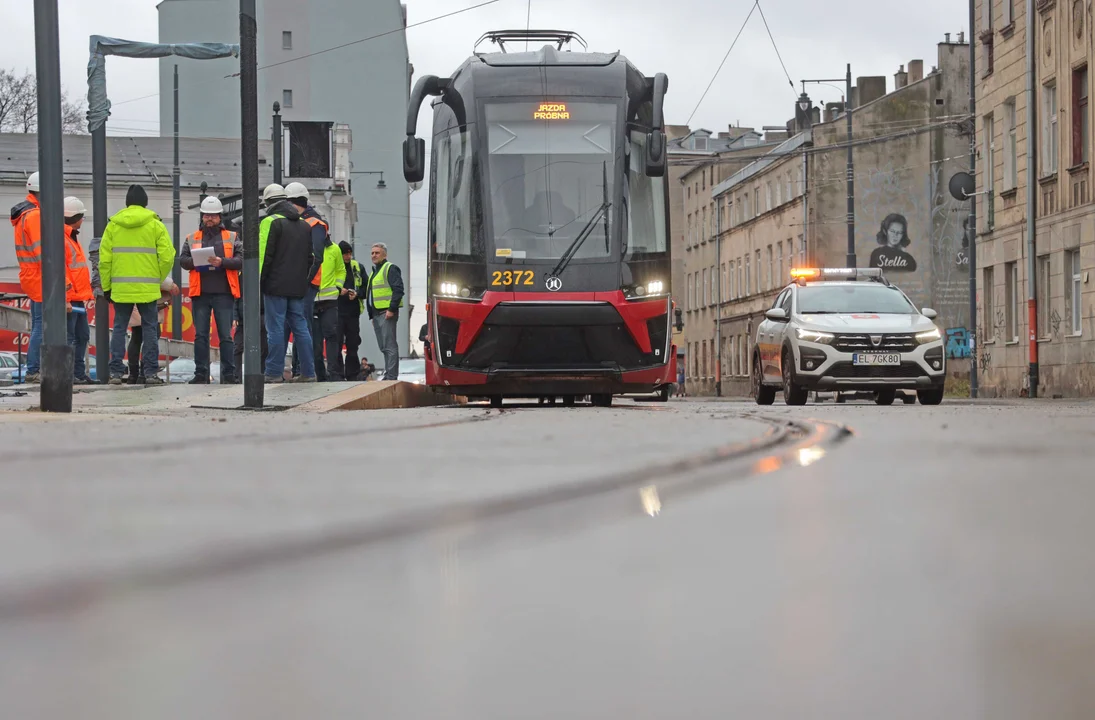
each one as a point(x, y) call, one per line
point(414, 159)
point(678, 319)
point(655, 154)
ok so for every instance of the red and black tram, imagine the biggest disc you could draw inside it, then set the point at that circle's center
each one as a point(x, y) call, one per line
point(549, 253)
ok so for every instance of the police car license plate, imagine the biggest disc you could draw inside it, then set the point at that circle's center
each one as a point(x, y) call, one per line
point(876, 359)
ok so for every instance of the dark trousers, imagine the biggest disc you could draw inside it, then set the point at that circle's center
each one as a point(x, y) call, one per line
point(238, 350)
point(134, 352)
point(309, 309)
point(79, 335)
point(222, 307)
point(149, 341)
point(349, 335)
point(325, 332)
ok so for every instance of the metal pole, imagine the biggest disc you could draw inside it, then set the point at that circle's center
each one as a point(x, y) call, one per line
point(851, 171)
point(278, 140)
point(253, 376)
point(99, 215)
point(1032, 205)
point(972, 230)
point(57, 355)
point(718, 298)
point(176, 212)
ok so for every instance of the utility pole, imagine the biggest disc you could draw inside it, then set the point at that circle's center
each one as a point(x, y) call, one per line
point(176, 215)
point(718, 297)
point(253, 377)
point(851, 171)
point(57, 355)
point(99, 215)
point(278, 140)
point(971, 231)
point(1032, 205)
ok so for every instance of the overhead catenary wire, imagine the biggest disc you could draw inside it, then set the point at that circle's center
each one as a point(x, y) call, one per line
point(776, 48)
point(337, 47)
point(373, 37)
point(724, 59)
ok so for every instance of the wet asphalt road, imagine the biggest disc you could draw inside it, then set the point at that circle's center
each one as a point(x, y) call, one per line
point(937, 563)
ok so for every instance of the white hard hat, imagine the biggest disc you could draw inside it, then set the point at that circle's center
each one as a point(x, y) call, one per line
point(32, 182)
point(74, 207)
point(296, 190)
point(212, 206)
point(273, 191)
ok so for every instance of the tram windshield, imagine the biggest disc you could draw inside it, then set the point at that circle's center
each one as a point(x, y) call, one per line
point(551, 167)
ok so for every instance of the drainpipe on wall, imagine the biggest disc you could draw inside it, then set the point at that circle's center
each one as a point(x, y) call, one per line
point(1032, 206)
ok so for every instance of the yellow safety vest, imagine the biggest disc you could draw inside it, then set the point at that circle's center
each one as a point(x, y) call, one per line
point(380, 290)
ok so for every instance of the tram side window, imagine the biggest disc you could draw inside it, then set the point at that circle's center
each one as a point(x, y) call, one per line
point(452, 191)
point(646, 204)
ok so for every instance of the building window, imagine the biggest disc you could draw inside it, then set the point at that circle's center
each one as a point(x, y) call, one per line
point(779, 194)
point(986, 16)
point(1043, 296)
point(779, 262)
point(802, 250)
point(768, 197)
point(756, 201)
point(725, 291)
point(1080, 123)
point(690, 231)
point(739, 288)
point(1011, 301)
point(703, 238)
point(1072, 292)
point(700, 143)
point(1010, 146)
point(731, 287)
point(746, 208)
point(1009, 12)
point(771, 269)
point(286, 40)
point(988, 320)
point(691, 292)
point(1049, 130)
point(287, 98)
point(757, 288)
point(989, 170)
point(747, 289)
point(790, 188)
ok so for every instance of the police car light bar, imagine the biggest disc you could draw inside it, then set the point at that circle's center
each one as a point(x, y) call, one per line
point(801, 274)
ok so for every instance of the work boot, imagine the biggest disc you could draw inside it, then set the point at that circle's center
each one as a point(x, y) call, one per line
point(83, 381)
point(153, 380)
point(117, 380)
point(303, 379)
point(199, 381)
point(33, 378)
point(273, 380)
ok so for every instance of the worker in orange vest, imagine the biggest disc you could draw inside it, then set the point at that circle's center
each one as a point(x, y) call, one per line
point(214, 289)
point(26, 219)
point(78, 291)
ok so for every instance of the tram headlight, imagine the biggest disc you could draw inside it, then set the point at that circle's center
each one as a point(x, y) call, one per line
point(448, 288)
point(657, 287)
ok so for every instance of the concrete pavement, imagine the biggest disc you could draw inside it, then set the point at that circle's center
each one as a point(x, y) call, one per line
point(935, 564)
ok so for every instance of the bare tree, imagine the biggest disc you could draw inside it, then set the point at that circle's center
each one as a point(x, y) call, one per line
point(19, 106)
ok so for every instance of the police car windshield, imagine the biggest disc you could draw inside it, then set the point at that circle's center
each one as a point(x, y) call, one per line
point(859, 298)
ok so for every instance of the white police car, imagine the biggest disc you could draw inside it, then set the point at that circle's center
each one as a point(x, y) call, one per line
point(847, 329)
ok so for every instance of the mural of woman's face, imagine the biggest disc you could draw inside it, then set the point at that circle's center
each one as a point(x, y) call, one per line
point(894, 233)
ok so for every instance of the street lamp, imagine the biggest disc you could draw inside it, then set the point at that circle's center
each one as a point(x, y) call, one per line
point(851, 261)
point(380, 185)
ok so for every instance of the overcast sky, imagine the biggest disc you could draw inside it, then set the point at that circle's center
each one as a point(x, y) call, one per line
point(686, 39)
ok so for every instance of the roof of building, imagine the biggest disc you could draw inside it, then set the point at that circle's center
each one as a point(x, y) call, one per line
point(144, 160)
point(776, 154)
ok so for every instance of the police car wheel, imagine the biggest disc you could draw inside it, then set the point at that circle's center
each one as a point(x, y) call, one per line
point(885, 397)
point(793, 394)
point(762, 394)
point(934, 396)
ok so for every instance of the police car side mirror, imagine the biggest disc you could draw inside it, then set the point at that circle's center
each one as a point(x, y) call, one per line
point(414, 159)
point(776, 314)
point(929, 313)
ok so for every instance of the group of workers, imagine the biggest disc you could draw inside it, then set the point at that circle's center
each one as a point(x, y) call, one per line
point(312, 289)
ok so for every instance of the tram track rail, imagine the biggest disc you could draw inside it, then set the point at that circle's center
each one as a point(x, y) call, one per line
point(779, 446)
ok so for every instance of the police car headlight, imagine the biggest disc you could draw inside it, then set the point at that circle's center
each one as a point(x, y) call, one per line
point(814, 336)
point(929, 336)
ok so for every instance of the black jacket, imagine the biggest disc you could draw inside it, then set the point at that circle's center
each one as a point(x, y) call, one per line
point(290, 263)
point(395, 280)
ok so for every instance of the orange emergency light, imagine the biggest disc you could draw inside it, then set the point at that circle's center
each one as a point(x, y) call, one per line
point(805, 273)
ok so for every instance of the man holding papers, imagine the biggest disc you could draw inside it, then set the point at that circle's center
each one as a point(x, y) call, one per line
point(214, 257)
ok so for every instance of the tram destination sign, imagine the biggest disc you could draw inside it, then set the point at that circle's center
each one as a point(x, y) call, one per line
point(551, 111)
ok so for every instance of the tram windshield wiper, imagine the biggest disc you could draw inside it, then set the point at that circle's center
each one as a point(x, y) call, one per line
point(571, 251)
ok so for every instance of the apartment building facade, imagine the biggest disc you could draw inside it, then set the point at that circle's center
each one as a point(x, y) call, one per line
point(1064, 243)
point(790, 208)
point(697, 291)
